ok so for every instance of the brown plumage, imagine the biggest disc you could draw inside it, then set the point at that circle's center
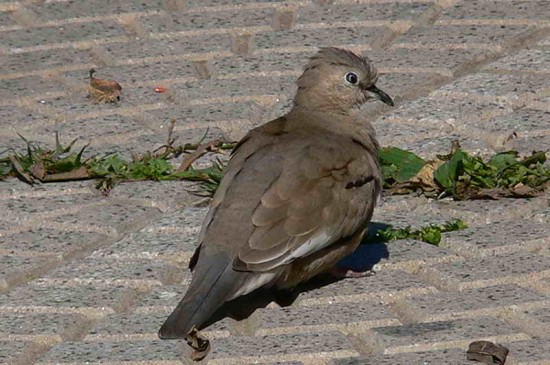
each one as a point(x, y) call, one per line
point(106, 91)
point(297, 194)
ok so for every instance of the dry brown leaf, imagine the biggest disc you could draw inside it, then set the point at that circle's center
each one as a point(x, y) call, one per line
point(487, 353)
point(80, 173)
point(425, 177)
point(38, 170)
point(519, 191)
point(199, 343)
point(423, 180)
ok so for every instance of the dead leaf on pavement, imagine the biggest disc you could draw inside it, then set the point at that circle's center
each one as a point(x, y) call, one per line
point(80, 173)
point(199, 343)
point(422, 180)
point(487, 353)
point(38, 170)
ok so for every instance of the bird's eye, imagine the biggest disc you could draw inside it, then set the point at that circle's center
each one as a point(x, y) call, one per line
point(352, 78)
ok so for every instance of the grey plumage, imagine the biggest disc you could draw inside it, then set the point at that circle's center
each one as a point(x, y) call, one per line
point(296, 196)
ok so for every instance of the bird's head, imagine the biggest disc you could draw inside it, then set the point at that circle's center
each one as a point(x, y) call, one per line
point(338, 80)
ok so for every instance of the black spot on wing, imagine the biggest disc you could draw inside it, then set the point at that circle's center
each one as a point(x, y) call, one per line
point(360, 182)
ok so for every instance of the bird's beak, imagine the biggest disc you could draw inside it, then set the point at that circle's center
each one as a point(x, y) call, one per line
point(380, 95)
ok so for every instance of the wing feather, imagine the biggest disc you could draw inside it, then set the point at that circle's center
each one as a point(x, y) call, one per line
point(309, 207)
point(285, 197)
point(267, 237)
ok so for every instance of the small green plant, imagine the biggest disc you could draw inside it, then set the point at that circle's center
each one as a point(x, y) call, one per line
point(430, 234)
point(457, 174)
point(38, 161)
point(464, 176)
point(398, 165)
point(62, 164)
point(505, 174)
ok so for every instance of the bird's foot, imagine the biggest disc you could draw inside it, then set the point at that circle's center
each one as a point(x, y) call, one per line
point(344, 273)
point(198, 343)
point(285, 297)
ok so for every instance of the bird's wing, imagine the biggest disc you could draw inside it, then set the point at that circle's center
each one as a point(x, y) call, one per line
point(323, 193)
point(284, 201)
point(257, 139)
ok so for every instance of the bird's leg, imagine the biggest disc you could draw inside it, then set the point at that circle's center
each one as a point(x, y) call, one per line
point(285, 297)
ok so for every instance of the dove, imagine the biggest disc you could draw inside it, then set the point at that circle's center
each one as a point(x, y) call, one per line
point(296, 196)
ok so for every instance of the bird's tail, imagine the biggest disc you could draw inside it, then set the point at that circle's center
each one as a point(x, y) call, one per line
point(213, 283)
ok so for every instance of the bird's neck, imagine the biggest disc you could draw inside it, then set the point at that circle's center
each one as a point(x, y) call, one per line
point(353, 124)
point(305, 100)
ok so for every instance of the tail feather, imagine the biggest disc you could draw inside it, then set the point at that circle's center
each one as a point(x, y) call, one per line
point(213, 283)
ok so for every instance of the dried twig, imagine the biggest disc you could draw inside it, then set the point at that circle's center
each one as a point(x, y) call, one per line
point(201, 150)
point(20, 170)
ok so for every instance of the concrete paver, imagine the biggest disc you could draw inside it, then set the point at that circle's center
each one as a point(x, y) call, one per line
point(88, 279)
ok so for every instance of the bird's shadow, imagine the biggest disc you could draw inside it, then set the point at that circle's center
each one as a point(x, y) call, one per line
point(368, 254)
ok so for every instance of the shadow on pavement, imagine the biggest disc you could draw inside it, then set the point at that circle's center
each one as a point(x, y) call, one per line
point(368, 254)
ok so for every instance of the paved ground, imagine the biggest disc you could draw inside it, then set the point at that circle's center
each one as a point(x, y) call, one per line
point(89, 279)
